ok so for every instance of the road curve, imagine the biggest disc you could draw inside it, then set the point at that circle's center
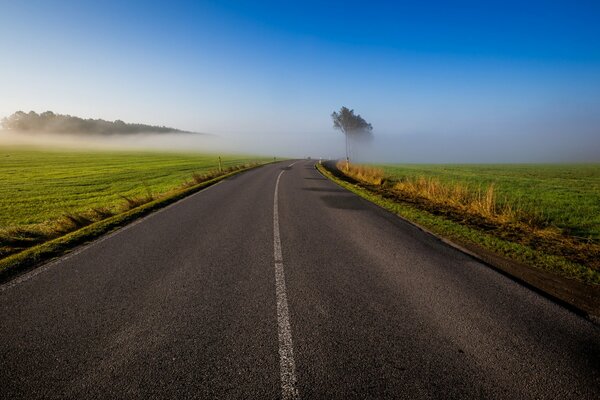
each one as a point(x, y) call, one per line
point(242, 291)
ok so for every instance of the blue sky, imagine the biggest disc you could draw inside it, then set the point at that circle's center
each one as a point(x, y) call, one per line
point(472, 76)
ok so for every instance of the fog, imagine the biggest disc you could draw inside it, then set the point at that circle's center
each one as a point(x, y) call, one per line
point(261, 145)
point(473, 148)
point(425, 147)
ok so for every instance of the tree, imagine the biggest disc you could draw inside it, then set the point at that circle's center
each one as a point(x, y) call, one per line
point(58, 123)
point(353, 126)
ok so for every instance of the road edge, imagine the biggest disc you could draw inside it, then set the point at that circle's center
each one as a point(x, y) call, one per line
point(525, 275)
point(33, 257)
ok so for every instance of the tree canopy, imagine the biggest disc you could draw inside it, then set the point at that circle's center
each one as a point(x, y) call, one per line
point(57, 123)
point(351, 124)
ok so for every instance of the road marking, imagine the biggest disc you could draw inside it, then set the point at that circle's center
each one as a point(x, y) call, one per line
point(287, 366)
point(276, 238)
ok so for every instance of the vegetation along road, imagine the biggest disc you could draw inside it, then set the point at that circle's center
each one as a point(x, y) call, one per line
point(277, 283)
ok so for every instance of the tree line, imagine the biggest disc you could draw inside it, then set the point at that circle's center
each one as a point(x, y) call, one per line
point(58, 123)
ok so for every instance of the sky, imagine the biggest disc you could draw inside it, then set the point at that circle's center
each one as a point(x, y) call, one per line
point(471, 81)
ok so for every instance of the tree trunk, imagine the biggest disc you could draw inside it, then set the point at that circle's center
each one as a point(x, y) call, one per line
point(347, 153)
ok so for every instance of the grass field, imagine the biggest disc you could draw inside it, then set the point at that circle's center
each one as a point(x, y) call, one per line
point(567, 196)
point(45, 195)
point(546, 216)
point(37, 186)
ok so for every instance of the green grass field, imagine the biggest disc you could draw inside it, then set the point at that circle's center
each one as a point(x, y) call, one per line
point(568, 196)
point(452, 201)
point(40, 185)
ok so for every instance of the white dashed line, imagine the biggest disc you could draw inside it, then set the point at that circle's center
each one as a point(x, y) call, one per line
point(286, 353)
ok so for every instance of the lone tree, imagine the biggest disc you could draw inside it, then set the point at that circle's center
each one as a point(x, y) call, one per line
point(353, 126)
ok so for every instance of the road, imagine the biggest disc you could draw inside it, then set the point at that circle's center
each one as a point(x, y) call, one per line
point(310, 292)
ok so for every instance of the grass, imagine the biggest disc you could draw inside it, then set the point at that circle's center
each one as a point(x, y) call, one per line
point(21, 261)
point(479, 201)
point(566, 196)
point(489, 210)
point(47, 194)
point(39, 185)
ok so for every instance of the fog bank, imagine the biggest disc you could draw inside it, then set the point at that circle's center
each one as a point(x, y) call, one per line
point(547, 147)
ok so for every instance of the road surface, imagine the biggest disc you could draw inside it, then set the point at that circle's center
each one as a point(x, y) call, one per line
point(276, 283)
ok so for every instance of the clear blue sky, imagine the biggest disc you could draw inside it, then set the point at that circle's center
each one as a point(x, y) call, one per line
point(475, 73)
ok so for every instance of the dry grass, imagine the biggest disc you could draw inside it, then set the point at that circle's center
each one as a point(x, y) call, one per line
point(560, 255)
point(363, 173)
point(478, 207)
point(481, 201)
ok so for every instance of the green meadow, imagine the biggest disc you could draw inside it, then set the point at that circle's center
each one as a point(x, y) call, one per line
point(544, 216)
point(41, 185)
point(565, 195)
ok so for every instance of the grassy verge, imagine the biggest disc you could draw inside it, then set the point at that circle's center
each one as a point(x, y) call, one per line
point(457, 228)
point(31, 257)
point(41, 184)
point(565, 197)
point(48, 193)
point(18, 238)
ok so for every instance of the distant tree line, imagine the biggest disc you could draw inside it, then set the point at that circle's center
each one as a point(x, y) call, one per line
point(57, 123)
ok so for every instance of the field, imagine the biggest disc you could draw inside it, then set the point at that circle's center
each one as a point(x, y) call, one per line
point(545, 216)
point(38, 186)
point(566, 196)
point(46, 194)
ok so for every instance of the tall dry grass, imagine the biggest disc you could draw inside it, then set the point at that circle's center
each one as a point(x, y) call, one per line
point(480, 207)
point(481, 201)
point(362, 173)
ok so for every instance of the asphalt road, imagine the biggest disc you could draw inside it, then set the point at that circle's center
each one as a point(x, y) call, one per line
point(239, 292)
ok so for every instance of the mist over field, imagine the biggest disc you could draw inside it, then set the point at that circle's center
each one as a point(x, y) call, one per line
point(535, 147)
point(506, 87)
point(474, 148)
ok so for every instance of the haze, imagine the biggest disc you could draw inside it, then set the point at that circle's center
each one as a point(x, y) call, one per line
point(471, 82)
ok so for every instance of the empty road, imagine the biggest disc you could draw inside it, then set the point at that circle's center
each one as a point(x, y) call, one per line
point(277, 283)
